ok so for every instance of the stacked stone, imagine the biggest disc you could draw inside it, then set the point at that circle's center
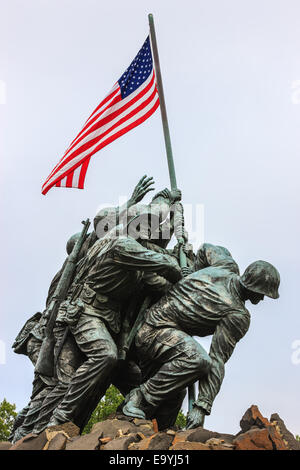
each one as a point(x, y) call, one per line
point(123, 433)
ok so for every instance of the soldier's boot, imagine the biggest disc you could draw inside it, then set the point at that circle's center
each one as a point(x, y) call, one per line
point(18, 422)
point(136, 405)
point(19, 433)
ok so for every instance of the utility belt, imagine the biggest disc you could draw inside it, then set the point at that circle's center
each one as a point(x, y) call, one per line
point(85, 300)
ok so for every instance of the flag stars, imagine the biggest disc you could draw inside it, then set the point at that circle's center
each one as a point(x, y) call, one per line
point(138, 71)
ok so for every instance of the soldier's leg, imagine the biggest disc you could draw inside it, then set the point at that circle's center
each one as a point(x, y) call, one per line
point(170, 361)
point(127, 376)
point(166, 413)
point(33, 349)
point(33, 410)
point(26, 419)
point(18, 421)
point(95, 374)
point(70, 358)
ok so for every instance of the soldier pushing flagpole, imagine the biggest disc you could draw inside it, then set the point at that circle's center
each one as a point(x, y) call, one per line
point(179, 231)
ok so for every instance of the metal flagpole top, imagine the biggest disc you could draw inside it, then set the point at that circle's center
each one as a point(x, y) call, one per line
point(163, 109)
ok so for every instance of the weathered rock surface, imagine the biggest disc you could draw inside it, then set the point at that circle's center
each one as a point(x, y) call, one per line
point(122, 433)
point(219, 444)
point(5, 445)
point(121, 443)
point(253, 417)
point(113, 428)
point(86, 442)
point(254, 439)
point(31, 442)
point(186, 445)
point(69, 428)
point(158, 441)
point(287, 436)
point(203, 435)
point(58, 442)
point(258, 433)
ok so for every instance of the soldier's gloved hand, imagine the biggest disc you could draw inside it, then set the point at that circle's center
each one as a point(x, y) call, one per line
point(195, 418)
point(186, 271)
point(141, 189)
point(175, 195)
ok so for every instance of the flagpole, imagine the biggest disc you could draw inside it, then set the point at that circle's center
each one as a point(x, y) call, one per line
point(164, 117)
point(163, 109)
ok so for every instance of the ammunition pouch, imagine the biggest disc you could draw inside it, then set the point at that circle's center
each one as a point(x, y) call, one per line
point(85, 299)
point(69, 312)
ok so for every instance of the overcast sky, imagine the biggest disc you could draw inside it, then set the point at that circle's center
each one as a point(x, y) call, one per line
point(231, 73)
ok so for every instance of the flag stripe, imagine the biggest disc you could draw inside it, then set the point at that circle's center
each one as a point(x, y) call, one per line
point(95, 137)
point(136, 114)
point(76, 176)
point(91, 147)
point(76, 138)
point(120, 105)
point(116, 98)
point(112, 117)
point(84, 168)
point(122, 131)
point(108, 98)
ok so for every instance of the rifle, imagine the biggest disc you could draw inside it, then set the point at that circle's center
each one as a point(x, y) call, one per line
point(129, 334)
point(45, 362)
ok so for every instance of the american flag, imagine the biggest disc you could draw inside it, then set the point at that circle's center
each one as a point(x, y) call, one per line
point(133, 99)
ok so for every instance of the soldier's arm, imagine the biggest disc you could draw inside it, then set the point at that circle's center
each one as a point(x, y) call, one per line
point(229, 331)
point(141, 189)
point(155, 283)
point(217, 256)
point(131, 255)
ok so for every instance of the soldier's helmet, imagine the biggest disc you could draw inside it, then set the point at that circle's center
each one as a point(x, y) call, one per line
point(262, 277)
point(71, 242)
point(105, 220)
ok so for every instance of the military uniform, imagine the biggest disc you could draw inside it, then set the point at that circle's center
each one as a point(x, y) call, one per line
point(112, 272)
point(28, 342)
point(207, 302)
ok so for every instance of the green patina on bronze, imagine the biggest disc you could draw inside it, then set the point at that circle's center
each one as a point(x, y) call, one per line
point(211, 301)
point(107, 277)
point(124, 310)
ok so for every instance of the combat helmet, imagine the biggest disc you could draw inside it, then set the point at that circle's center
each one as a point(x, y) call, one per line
point(262, 277)
point(71, 242)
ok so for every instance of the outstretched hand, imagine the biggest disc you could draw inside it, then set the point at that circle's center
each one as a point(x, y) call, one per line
point(195, 418)
point(142, 188)
point(186, 271)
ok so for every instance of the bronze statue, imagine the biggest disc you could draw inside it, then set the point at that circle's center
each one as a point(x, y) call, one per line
point(210, 301)
point(49, 390)
point(116, 268)
point(127, 284)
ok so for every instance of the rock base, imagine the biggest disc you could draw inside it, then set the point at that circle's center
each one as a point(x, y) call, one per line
point(123, 433)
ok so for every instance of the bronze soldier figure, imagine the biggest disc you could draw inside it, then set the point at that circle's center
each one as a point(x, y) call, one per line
point(29, 342)
point(51, 389)
point(125, 380)
point(210, 301)
point(114, 270)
